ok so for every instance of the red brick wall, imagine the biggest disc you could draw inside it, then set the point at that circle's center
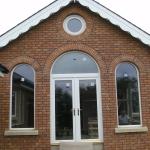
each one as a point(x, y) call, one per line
point(107, 44)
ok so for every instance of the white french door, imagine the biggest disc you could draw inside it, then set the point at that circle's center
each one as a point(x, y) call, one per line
point(76, 109)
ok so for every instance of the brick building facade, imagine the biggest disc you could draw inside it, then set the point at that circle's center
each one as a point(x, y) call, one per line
point(105, 44)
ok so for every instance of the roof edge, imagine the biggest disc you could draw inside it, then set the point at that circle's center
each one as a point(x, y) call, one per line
point(117, 20)
point(32, 21)
point(91, 4)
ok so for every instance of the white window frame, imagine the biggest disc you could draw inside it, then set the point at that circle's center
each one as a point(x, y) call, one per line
point(140, 108)
point(67, 19)
point(11, 84)
point(83, 76)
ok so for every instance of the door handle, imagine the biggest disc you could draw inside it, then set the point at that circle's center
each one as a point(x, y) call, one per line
point(79, 111)
point(73, 110)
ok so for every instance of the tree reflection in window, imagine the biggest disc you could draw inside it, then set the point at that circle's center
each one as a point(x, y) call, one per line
point(63, 107)
point(23, 105)
point(88, 106)
point(128, 95)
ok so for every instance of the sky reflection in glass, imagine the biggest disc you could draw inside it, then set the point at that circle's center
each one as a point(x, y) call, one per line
point(25, 71)
point(74, 62)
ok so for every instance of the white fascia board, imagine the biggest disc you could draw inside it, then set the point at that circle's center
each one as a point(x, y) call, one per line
point(92, 5)
point(1, 74)
point(117, 20)
point(32, 21)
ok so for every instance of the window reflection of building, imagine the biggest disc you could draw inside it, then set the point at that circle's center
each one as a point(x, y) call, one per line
point(128, 93)
point(63, 106)
point(22, 101)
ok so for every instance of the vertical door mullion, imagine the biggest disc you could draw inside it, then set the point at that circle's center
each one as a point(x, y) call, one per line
point(53, 111)
point(77, 101)
point(99, 106)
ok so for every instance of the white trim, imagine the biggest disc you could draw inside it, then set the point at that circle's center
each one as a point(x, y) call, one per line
point(10, 115)
point(92, 5)
point(139, 94)
point(75, 75)
point(83, 23)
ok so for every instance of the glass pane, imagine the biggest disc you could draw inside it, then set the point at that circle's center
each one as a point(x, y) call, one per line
point(74, 62)
point(13, 103)
point(63, 110)
point(23, 97)
point(74, 25)
point(88, 109)
point(128, 96)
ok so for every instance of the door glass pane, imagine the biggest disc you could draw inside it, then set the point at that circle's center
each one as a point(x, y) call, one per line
point(88, 109)
point(13, 104)
point(63, 110)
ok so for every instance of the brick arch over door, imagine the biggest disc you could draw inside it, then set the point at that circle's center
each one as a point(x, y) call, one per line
point(23, 59)
point(127, 58)
point(74, 47)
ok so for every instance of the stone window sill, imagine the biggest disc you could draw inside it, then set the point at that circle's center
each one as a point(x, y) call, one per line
point(20, 132)
point(130, 129)
point(93, 142)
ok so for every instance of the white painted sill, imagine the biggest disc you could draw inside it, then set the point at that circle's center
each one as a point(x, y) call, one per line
point(20, 132)
point(130, 129)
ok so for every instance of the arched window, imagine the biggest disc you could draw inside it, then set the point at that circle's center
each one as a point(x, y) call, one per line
point(129, 110)
point(73, 63)
point(75, 98)
point(22, 99)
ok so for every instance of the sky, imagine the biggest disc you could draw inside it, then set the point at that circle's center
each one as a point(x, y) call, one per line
point(12, 12)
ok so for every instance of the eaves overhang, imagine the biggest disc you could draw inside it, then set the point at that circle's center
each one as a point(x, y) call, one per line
point(58, 4)
point(3, 69)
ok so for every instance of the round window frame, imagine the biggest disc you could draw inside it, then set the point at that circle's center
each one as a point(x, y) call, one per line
point(82, 20)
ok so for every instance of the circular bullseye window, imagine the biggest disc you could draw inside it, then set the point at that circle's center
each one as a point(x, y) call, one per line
point(74, 24)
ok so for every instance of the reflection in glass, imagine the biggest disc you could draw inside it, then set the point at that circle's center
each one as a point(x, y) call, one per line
point(22, 115)
point(88, 109)
point(128, 95)
point(74, 62)
point(63, 110)
point(74, 25)
point(13, 103)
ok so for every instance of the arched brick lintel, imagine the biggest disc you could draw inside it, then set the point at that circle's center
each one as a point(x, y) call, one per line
point(127, 58)
point(23, 60)
point(73, 47)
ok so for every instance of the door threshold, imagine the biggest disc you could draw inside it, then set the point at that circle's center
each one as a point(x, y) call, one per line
point(97, 145)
